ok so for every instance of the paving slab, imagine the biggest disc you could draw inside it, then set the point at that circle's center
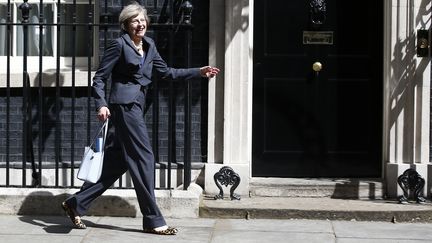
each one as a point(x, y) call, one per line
point(356, 240)
point(197, 230)
point(36, 225)
point(275, 225)
point(40, 238)
point(383, 230)
point(268, 236)
point(275, 231)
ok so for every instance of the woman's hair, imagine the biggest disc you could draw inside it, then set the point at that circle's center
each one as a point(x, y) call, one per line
point(131, 11)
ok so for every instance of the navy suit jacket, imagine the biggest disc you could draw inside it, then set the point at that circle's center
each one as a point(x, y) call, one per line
point(129, 71)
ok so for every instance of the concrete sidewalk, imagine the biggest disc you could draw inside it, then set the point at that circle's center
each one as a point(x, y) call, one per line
point(54, 229)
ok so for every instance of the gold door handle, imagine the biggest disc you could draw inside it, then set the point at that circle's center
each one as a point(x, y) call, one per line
point(317, 66)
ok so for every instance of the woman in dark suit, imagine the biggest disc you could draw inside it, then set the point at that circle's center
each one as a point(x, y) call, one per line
point(129, 60)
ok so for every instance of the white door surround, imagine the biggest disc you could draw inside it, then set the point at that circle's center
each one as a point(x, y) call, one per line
point(406, 98)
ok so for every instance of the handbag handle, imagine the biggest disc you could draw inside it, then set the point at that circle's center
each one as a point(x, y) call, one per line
point(105, 134)
point(105, 125)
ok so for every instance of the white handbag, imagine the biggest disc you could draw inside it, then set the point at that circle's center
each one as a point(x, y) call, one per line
point(91, 165)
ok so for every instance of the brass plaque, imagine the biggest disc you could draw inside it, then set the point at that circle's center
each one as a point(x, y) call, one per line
point(318, 37)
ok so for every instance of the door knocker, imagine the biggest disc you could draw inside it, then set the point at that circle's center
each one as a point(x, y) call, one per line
point(318, 11)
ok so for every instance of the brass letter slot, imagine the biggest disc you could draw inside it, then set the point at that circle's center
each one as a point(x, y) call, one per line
point(317, 37)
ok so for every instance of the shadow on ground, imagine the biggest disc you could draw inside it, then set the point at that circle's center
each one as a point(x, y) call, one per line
point(42, 209)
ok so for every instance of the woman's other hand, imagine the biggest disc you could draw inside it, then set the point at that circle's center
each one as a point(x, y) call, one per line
point(209, 72)
point(103, 113)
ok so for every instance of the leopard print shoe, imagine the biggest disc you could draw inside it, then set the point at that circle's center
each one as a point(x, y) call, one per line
point(76, 219)
point(168, 231)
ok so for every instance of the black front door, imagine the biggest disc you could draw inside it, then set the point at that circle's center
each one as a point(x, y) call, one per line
point(317, 109)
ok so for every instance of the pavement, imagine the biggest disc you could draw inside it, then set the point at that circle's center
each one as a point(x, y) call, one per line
point(34, 215)
point(52, 229)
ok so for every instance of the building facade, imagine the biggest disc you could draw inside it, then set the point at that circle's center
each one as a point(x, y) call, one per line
point(310, 89)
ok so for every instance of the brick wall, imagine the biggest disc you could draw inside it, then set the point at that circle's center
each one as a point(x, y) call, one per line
point(49, 124)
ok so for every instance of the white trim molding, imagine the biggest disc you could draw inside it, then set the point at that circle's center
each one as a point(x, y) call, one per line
point(406, 94)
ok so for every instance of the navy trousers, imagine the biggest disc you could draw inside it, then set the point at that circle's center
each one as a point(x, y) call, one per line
point(127, 148)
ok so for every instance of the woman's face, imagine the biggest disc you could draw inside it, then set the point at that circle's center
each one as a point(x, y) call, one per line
point(137, 27)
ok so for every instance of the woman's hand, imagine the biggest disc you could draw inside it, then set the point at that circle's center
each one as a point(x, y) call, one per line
point(209, 72)
point(103, 113)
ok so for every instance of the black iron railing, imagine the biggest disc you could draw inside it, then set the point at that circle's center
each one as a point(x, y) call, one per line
point(37, 100)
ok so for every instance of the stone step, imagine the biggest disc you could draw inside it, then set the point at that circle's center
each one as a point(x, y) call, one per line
point(114, 202)
point(314, 187)
point(315, 208)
